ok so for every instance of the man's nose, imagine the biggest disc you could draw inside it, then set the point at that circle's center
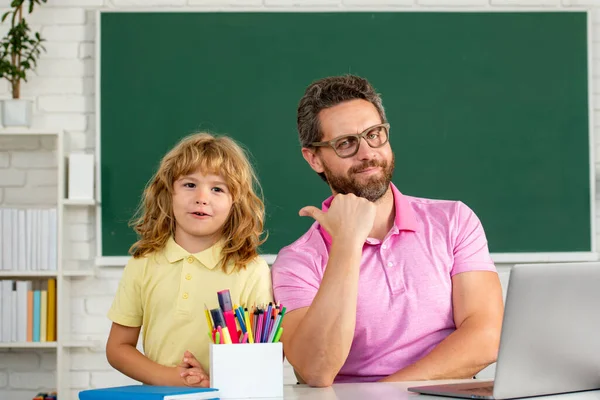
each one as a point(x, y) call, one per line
point(365, 152)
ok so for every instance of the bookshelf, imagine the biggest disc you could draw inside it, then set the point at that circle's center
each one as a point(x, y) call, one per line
point(28, 345)
point(64, 277)
point(27, 274)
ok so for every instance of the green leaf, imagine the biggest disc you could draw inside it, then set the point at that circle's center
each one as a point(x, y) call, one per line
point(20, 48)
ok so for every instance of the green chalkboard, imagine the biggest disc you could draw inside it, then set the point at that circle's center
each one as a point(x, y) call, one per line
point(490, 108)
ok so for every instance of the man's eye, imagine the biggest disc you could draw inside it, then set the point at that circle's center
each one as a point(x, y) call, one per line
point(343, 144)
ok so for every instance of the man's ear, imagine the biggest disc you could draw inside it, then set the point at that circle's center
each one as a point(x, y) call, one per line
point(311, 157)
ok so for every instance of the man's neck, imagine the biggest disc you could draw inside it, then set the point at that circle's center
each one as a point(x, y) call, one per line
point(384, 219)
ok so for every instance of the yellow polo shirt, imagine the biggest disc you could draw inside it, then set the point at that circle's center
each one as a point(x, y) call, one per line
point(165, 294)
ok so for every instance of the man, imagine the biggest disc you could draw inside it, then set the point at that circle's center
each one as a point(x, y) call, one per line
point(383, 286)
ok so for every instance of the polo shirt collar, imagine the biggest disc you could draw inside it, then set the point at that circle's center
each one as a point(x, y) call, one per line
point(404, 220)
point(209, 258)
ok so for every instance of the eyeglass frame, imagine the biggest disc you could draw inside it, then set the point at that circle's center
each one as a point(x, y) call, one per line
point(359, 136)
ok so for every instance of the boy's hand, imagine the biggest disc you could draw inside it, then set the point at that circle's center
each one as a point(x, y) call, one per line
point(192, 372)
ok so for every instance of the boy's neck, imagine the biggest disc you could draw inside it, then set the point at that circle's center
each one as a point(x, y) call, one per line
point(194, 244)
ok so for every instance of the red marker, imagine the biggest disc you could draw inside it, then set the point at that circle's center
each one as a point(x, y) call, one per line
point(227, 308)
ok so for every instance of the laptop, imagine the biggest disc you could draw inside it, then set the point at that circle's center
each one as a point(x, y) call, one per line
point(550, 340)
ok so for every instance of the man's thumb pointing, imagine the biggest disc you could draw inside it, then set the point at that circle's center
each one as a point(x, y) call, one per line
point(310, 211)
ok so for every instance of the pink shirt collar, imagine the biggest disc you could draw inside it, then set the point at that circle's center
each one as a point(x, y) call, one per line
point(404, 219)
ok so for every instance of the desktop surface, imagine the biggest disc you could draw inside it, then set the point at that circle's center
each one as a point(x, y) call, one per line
point(393, 391)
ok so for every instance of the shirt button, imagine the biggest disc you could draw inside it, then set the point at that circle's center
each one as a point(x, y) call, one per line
point(190, 259)
point(188, 277)
point(390, 264)
point(384, 246)
point(185, 295)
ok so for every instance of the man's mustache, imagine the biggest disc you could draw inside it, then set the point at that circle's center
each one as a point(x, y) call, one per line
point(367, 164)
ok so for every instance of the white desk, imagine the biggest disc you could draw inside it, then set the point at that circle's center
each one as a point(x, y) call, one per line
point(358, 391)
point(392, 391)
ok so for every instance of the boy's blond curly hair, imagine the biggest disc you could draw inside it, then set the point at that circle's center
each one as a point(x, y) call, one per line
point(154, 221)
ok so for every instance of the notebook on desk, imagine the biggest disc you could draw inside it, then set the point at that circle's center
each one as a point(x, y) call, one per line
point(550, 340)
point(147, 392)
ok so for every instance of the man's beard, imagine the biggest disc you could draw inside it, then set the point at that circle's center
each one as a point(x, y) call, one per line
point(371, 190)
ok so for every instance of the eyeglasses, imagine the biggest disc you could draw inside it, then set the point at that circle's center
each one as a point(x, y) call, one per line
point(348, 145)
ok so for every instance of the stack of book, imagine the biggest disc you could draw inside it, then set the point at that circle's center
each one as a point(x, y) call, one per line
point(29, 239)
point(28, 310)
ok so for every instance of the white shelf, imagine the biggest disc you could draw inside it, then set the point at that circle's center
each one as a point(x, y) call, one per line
point(49, 345)
point(46, 274)
point(27, 132)
point(28, 345)
point(66, 279)
point(28, 274)
point(78, 202)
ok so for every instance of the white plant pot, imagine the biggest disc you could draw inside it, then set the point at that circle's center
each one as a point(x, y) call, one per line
point(16, 112)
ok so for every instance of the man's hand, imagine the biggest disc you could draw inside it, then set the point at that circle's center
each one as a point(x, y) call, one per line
point(191, 372)
point(349, 218)
point(317, 339)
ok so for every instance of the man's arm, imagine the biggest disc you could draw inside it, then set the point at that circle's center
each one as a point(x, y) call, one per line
point(317, 339)
point(122, 354)
point(478, 310)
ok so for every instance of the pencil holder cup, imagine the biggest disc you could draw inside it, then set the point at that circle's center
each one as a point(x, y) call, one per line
point(246, 371)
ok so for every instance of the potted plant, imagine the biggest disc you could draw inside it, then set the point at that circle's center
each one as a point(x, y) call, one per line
point(19, 51)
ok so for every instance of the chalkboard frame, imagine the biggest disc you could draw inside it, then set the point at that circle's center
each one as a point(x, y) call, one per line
point(508, 258)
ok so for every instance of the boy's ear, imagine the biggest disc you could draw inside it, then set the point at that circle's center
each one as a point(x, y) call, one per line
point(313, 159)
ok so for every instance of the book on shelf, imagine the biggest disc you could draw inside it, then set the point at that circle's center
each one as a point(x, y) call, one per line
point(29, 239)
point(28, 310)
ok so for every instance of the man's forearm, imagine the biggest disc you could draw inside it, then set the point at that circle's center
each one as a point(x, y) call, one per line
point(128, 360)
point(322, 341)
point(461, 355)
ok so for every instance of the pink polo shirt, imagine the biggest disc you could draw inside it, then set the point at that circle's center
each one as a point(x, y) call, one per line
point(405, 289)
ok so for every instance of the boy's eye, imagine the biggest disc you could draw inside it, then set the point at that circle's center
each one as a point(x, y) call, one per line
point(189, 185)
point(218, 189)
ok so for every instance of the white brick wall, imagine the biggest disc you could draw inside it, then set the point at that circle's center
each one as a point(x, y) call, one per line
point(63, 89)
point(22, 177)
point(24, 374)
